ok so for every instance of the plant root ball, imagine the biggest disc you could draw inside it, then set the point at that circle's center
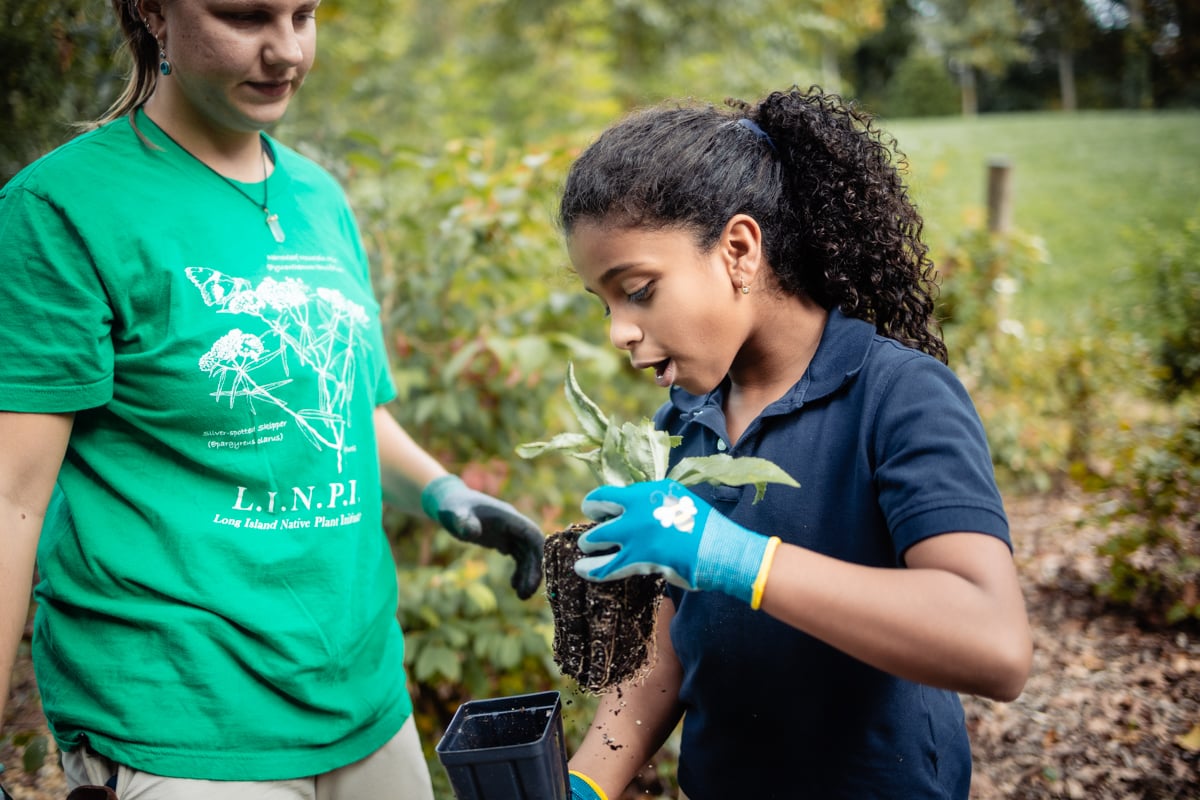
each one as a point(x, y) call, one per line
point(603, 632)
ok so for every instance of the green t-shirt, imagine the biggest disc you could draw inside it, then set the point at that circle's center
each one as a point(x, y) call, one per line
point(217, 598)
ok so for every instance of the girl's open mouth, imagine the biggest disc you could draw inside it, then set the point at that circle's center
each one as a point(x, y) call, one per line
point(664, 373)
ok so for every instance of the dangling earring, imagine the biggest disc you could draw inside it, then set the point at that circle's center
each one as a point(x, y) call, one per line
point(164, 66)
point(745, 288)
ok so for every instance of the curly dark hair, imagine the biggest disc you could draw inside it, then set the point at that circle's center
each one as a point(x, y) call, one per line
point(823, 183)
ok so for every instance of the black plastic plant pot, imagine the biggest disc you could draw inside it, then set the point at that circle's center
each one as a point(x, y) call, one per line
point(509, 748)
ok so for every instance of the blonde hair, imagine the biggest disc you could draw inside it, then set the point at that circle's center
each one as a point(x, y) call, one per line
point(143, 50)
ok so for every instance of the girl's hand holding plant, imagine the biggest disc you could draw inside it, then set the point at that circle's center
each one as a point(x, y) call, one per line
point(660, 527)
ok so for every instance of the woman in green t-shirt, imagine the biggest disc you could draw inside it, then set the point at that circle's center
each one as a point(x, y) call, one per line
point(196, 446)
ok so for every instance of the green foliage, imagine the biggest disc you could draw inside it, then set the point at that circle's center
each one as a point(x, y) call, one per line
point(521, 71)
point(466, 632)
point(629, 453)
point(1154, 481)
point(1045, 395)
point(981, 276)
point(920, 87)
point(56, 67)
point(1172, 271)
point(981, 273)
point(983, 35)
point(481, 314)
point(33, 748)
point(1154, 558)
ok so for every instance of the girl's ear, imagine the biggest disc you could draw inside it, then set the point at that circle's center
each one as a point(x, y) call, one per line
point(741, 249)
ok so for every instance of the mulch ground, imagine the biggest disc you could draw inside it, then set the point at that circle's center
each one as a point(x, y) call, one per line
point(1111, 711)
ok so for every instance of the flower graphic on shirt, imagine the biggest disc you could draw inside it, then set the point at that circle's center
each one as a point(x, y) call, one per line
point(233, 347)
point(302, 327)
point(677, 512)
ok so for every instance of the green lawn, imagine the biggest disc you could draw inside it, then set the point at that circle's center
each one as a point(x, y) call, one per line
point(1084, 182)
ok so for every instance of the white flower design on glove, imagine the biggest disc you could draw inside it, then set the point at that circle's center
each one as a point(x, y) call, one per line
point(677, 512)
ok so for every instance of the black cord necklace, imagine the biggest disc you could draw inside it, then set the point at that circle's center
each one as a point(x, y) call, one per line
point(272, 220)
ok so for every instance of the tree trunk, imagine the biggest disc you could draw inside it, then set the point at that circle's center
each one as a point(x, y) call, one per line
point(1137, 59)
point(1066, 79)
point(966, 83)
point(831, 73)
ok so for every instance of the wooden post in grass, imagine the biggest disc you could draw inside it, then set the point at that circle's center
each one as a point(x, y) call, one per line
point(999, 195)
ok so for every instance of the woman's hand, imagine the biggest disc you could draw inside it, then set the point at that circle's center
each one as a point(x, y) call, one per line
point(475, 517)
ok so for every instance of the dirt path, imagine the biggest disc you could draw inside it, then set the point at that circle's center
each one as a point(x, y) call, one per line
point(1111, 712)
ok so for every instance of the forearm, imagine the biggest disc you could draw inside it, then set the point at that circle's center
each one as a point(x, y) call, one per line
point(634, 720)
point(16, 580)
point(29, 464)
point(963, 629)
point(405, 467)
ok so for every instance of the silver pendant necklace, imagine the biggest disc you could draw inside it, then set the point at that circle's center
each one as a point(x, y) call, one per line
point(272, 220)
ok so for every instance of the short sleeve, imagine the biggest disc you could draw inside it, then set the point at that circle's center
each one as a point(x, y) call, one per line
point(56, 351)
point(933, 472)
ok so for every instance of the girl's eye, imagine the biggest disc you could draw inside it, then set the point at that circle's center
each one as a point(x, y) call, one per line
point(641, 295)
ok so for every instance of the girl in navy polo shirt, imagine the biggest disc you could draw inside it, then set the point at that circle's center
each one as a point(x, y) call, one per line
point(766, 263)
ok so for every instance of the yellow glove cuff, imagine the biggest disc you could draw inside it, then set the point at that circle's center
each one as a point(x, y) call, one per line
point(764, 568)
point(591, 784)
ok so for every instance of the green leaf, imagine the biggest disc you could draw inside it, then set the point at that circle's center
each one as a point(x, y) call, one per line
point(723, 469)
point(459, 361)
point(614, 468)
point(561, 442)
point(430, 617)
point(591, 418)
point(455, 636)
point(592, 459)
point(507, 653)
point(647, 450)
point(481, 596)
point(35, 755)
point(437, 661)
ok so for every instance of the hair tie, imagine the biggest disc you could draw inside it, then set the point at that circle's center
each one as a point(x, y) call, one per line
point(762, 135)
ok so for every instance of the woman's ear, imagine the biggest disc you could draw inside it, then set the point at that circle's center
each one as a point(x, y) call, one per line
point(152, 16)
point(741, 249)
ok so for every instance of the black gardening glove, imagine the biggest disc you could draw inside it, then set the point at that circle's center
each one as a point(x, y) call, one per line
point(481, 519)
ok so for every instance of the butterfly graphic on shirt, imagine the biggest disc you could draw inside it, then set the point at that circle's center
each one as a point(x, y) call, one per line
point(217, 288)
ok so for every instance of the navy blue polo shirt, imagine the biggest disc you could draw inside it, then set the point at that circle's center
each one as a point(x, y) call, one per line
point(888, 450)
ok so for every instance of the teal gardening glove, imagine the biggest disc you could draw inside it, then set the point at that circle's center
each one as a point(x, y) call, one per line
point(661, 527)
point(478, 518)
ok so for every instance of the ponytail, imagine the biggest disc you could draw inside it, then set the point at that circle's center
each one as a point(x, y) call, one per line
point(853, 236)
point(143, 50)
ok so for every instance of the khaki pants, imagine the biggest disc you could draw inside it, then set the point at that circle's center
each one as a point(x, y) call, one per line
point(396, 771)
